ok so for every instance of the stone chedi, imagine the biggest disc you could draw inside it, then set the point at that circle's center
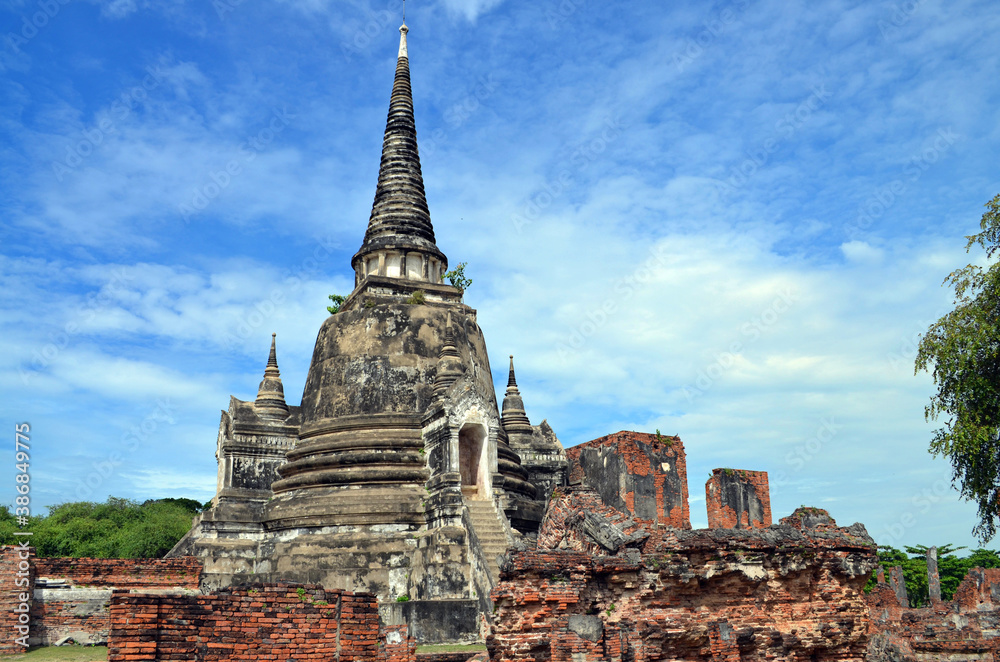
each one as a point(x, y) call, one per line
point(396, 475)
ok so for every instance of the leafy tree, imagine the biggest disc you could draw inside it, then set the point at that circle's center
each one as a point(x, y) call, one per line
point(338, 300)
point(962, 351)
point(117, 528)
point(457, 277)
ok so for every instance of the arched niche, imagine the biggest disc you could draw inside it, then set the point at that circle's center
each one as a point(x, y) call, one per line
point(473, 448)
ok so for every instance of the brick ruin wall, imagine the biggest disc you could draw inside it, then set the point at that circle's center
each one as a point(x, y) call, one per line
point(784, 593)
point(641, 474)
point(278, 622)
point(69, 598)
point(16, 582)
point(966, 628)
point(738, 499)
point(151, 609)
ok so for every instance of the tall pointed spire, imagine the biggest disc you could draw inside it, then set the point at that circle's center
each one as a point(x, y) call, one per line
point(400, 238)
point(514, 419)
point(270, 401)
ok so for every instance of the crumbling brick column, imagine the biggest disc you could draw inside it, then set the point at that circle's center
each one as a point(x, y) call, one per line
point(16, 582)
point(738, 499)
point(898, 585)
point(933, 578)
point(641, 474)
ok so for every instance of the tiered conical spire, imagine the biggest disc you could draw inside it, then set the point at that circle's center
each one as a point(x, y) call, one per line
point(270, 400)
point(400, 220)
point(514, 419)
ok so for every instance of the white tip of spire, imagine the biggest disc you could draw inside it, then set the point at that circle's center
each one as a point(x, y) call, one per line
point(402, 41)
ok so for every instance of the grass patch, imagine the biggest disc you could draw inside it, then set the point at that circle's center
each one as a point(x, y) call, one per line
point(451, 648)
point(63, 654)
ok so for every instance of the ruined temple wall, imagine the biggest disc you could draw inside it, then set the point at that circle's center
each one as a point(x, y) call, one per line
point(738, 499)
point(964, 629)
point(73, 596)
point(279, 622)
point(601, 585)
point(643, 475)
point(705, 599)
point(70, 597)
point(183, 572)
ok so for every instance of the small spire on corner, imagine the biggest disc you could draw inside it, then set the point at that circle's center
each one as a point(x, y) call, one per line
point(272, 360)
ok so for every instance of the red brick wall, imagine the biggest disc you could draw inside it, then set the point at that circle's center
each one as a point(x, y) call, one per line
point(727, 510)
point(280, 621)
point(691, 595)
point(16, 582)
point(183, 572)
point(644, 454)
point(76, 611)
point(565, 506)
point(964, 628)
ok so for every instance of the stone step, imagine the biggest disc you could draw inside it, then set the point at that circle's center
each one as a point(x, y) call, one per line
point(490, 533)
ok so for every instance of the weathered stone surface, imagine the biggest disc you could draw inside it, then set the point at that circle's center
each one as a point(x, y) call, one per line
point(368, 484)
point(933, 578)
point(898, 585)
point(642, 474)
point(737, 498)
point(542, 455)
point(964, 629)
point(751, 594)
point(807, 517)
point(577, 519)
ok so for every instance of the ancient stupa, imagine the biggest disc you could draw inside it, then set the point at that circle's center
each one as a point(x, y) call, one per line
point(397, 474)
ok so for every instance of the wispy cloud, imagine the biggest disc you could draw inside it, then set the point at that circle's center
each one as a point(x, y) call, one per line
point(684, 239)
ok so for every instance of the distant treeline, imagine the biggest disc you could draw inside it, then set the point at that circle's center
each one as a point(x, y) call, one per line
point(117, 528)
point(951, 569)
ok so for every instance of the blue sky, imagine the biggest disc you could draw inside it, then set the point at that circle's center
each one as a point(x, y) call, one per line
point(728, 221)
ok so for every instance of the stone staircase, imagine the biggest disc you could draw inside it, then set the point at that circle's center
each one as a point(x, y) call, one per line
point(490, 531)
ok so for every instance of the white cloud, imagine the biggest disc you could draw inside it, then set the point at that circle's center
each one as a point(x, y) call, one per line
point(471, 10)
point(860, 251)
point(118, 8)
